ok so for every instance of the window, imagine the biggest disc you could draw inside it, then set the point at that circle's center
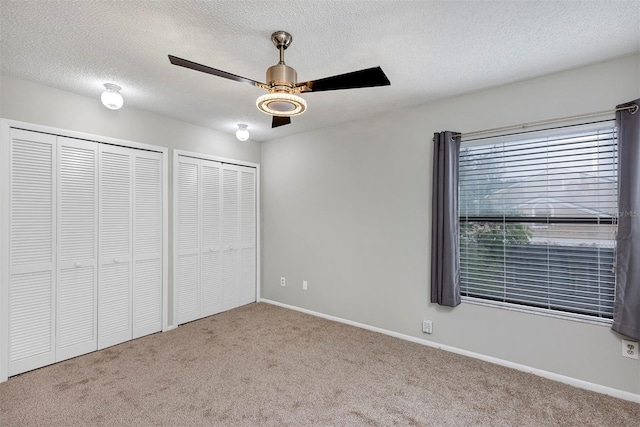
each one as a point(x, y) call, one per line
point(538, 219)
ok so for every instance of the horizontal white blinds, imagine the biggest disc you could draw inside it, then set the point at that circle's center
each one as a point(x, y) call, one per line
point(538, 219)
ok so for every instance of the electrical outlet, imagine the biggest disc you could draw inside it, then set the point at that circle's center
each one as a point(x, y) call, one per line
point(630, 349)
point(282, 282)
point(427, 326)
point(304, 285)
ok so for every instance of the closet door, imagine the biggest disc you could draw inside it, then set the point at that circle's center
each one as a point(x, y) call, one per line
point(76, 296)
point(147, 244)
point(239, 236)
point(84, 266)
point(32, 216)
point(188, 239)
point(247, 196)
point(211, 255)
point(230, 237)
point(115, 249)
point(215, 237)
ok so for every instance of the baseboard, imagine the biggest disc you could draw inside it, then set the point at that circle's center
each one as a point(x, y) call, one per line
point(621, 394)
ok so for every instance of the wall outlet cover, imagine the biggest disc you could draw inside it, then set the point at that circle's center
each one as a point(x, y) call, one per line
point(282, 281)
point(427, 326)
point(630, 349)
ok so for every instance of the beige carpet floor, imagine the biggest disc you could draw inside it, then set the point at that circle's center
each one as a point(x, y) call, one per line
point(267, 366)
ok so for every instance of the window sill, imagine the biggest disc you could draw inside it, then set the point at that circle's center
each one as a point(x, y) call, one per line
point(539, 311)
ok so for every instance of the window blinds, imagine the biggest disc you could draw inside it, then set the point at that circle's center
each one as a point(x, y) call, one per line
point(538, 219)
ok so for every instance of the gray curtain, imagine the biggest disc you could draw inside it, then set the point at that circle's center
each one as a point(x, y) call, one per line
point(626, 309)
point(445, 264)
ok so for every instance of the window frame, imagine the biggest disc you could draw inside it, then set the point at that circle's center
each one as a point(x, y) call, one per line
point(542, 222)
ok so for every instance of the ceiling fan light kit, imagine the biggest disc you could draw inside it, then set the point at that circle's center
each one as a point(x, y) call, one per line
point(282, 102)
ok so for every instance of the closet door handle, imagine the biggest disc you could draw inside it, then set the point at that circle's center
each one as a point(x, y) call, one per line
point(230, 247)
point(78, 264)
point(116, 260)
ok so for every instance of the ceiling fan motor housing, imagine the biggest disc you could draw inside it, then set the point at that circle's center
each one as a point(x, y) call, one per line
point(281, 75)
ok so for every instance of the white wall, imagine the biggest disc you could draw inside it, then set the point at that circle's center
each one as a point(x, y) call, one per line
point(348, 209)
point(34, 103)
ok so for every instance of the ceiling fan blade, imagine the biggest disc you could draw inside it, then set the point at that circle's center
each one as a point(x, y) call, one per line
point(203, 68)
point(368, 77)
point(280, 121)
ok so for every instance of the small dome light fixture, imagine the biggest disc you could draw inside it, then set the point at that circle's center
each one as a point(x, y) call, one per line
point(242, 133)
point(111, 97)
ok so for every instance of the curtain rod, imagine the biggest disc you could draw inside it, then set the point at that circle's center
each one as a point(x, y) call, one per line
point(633, 108)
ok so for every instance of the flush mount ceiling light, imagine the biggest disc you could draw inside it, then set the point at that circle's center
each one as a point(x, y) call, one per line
point(282, 102)
point(111, 97)
point(242, 133)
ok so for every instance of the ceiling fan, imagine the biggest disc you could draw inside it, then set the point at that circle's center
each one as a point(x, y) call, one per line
point(282, 102)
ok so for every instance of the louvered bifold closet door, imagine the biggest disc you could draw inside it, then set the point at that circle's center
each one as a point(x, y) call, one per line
point(230, 237)
point(76, 308)
point(215, 237)
point(32, 251)
point(211, 255)
point(147, 244)
point(247, 196)
point(115, 245)
point(188, 239)
point(239, 236)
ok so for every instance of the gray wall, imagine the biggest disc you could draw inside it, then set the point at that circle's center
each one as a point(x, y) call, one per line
point(348, 209)
point(34, 103)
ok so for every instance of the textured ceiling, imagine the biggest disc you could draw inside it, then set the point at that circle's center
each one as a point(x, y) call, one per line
point(428, 49)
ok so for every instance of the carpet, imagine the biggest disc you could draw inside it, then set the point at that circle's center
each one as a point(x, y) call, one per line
point(262, 365)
